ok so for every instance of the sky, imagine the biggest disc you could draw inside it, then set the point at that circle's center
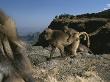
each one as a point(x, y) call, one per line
point(35, 15)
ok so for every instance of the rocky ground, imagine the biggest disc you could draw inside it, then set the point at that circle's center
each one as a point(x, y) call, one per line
point(83, 68)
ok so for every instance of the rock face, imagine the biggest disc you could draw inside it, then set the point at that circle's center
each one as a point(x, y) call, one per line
point(31, 37)
point(83, 68)
point(100, 43)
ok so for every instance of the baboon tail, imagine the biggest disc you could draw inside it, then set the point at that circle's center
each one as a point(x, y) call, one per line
point(86, 37)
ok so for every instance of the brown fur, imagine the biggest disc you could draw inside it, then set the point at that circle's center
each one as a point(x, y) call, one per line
point(75, 35)
point(75, 44)
point(14, 64)
point(59, 39)
point(5, 22)
point(72, 32)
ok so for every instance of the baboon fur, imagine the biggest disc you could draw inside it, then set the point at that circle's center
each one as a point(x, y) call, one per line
point(14, 63)
point(72, 32)
point(76, 42)
point(59, 39)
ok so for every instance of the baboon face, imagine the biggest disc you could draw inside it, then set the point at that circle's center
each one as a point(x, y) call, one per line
point(72, 38)
point(48, 34)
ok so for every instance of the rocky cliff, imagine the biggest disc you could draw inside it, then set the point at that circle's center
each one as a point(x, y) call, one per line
point(84, 68)
point(100, 43)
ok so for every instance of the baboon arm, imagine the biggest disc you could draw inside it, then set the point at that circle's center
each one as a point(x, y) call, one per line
point(7, 48)
point(75, 47)
point(23, 65)
point(19, 44)
point(61, 48)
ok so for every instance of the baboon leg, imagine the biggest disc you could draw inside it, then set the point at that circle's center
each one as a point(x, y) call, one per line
point(23, 65)
point(61, 48)
point(52, 51)
point(75, 47)
point(7, 48)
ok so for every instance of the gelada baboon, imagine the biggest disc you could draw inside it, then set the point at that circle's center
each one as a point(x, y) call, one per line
point(59, 39)
point(72, 32)
point(14, 64)
point(75, 44)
